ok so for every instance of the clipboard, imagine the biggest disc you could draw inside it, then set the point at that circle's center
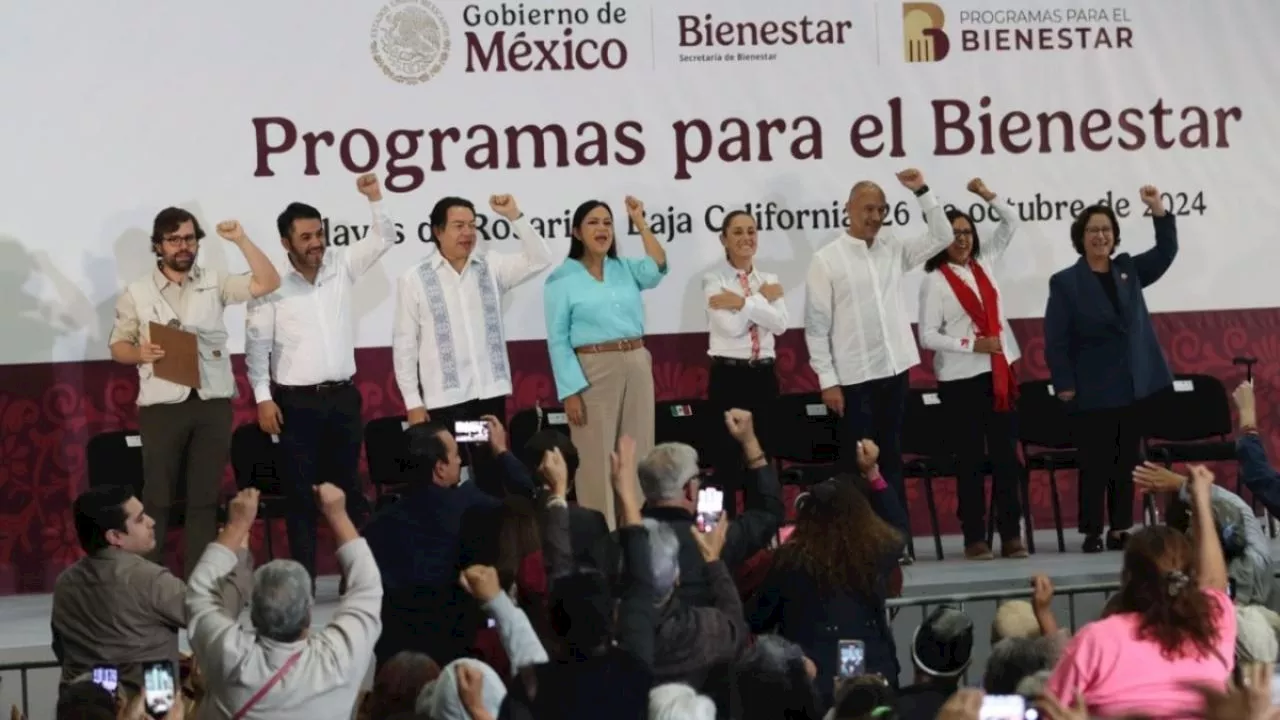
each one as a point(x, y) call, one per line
point(181, 361)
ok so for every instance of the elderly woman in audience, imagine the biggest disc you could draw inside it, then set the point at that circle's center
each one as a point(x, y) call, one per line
point(829, 581)
point(397, 685)
point(1170, 624)
point(283, 669)
point(465, 690)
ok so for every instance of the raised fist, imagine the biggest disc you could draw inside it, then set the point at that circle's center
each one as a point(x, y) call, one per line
point(635, 209)
point(230, 230)
point(504, 205)
point(1150, 196)
point(979, 188)
point(369, 186)
point(911, 178)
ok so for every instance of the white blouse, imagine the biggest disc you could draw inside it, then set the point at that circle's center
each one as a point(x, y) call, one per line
point(945, 327)
point(730, 330)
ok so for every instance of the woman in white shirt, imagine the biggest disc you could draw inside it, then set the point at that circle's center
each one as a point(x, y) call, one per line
point(962, 321)
point(745, 311)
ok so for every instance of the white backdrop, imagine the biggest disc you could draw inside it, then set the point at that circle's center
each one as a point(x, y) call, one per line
point(114, 111)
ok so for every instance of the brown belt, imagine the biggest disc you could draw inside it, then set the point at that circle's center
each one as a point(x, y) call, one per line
point(626, 345)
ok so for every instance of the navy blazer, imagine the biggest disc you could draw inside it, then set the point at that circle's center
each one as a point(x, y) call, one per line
point(1110, 359)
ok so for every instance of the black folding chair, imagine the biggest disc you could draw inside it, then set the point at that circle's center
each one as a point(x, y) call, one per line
point(688, 422)
point(1044, 432)
point(1190, 423)
point(115, 458)
point(530, 421)
point(926, 454)
point(386, 450)
point(806, 437)
point(255, 458)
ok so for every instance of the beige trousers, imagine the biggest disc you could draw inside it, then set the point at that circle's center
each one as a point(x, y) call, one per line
point(618, 401)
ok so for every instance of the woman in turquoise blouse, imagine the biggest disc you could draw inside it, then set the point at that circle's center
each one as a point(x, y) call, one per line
point(595, 336)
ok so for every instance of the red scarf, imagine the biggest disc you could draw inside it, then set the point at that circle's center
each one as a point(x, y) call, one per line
point(985, 316)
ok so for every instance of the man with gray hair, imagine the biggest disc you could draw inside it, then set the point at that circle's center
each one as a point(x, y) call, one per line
point(669, 479)
point(690, 641)
point(283, 670)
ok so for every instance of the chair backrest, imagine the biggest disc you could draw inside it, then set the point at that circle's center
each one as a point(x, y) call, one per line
point(1042, 418)
point(1196, 407)
point(255, 458)
point(682, 421)
point(386, 448)
point(804, 430)
point(115, 458)
point(925, 424)
point(528, 422)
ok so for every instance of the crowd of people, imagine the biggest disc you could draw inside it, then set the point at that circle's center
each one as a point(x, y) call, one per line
point(527, 606)
point(581, 575)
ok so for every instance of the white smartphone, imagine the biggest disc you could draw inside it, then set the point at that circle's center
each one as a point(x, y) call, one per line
point(471, 431)
point(853, 658)
point(710, 508)
point(1003, 707)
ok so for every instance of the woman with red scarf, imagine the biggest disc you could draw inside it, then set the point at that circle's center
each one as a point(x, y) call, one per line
point(962, 321)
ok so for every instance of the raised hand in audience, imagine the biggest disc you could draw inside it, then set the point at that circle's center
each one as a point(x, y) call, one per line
point(554, 472)
point(1154, 478)
point(868, 456)
point(471, 692)
point(711, 544)
point(242, 511)
point(964, 705)
point(330, 499)
point(1250, 702)
point(740, 424)
point(480, 582)
point(1245, 404)
point(497, 435)
point(1042, 604)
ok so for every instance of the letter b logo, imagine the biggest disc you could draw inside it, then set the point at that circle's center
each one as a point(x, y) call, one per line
point(923, 39)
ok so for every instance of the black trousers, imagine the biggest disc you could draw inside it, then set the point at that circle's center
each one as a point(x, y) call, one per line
point(738, 384)
point(477, 456)
point(874, 410)
point(979, 433)
point(185, 443)
point(320, 439)
point(1107, 443)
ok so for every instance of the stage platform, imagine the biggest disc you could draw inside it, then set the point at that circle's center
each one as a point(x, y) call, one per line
point(25, 633)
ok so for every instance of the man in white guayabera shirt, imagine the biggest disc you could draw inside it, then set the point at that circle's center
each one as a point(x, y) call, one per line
point(856, 324)
point(448, 342)
point(300, 354)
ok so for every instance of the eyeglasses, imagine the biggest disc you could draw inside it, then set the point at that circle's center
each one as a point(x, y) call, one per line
point(963, 234)
point(1099, 230)
point(181, 240)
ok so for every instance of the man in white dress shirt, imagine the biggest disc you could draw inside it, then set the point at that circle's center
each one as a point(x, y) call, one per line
point(448, 341)
point(856, 323)
point(300, 354)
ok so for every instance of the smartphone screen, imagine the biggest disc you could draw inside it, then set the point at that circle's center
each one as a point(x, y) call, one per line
point(160, 687)
point(471, 431)
point(106, 677)
point(853, 658)
point(1003, 707)
point(710, 507)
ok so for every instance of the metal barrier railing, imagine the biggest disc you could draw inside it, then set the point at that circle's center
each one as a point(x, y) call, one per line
point(925, 603)
point(22, 669)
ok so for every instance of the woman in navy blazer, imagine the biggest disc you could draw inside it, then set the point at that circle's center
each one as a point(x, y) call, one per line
point(1105, 359)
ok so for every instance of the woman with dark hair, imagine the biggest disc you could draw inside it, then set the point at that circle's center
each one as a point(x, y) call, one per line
point(595, 337)
point(745, 311)
point(1105, 359)
point(1170, 627)
point(962, 321)
point(830, 580)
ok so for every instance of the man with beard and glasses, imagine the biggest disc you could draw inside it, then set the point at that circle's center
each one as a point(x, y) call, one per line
point(300, 355)
point(181, 428)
